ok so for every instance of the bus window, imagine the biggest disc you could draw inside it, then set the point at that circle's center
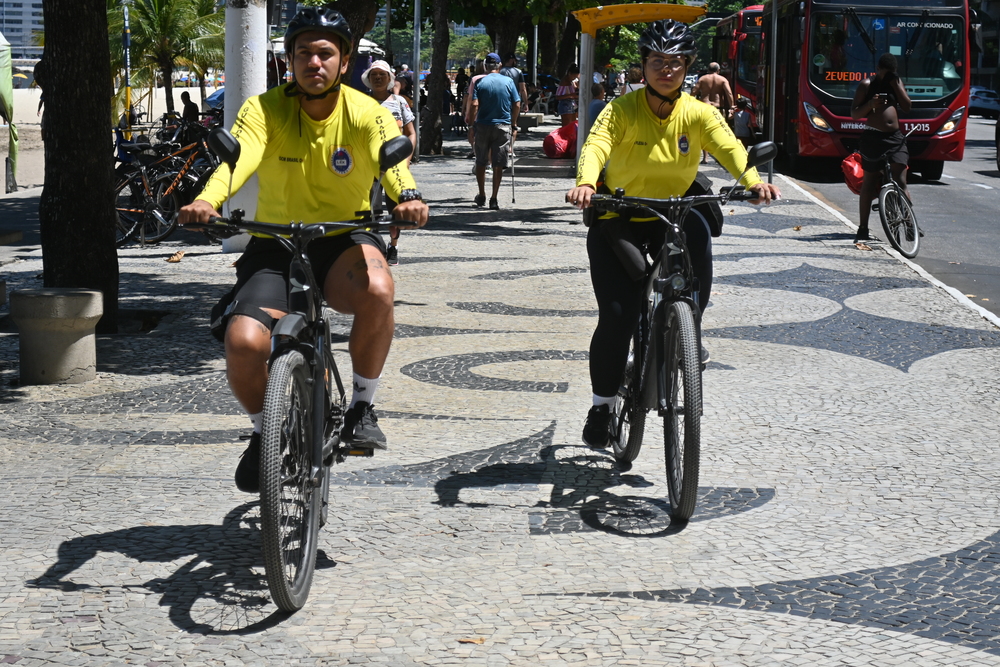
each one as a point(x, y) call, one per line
point(928, 51)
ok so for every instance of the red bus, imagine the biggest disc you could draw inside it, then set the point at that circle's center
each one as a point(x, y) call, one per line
point(737, 50)
point(825, 50)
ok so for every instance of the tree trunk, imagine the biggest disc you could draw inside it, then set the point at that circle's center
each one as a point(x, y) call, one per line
point(76, 213)
point(567, 45)
point(430, 134)
point(547, 50)
point(360, 15)
point(167, 72)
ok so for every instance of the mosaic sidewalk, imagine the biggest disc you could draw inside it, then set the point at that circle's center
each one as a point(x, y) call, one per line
point(847, 512)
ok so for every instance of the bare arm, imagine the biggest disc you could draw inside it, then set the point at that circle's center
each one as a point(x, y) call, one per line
point(902, 99)
point(859, 108)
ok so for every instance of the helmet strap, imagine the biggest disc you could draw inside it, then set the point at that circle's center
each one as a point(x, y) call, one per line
point(293, 89)
point(668, 100)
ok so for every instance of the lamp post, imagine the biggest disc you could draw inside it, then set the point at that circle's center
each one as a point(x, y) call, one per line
point(127, 45)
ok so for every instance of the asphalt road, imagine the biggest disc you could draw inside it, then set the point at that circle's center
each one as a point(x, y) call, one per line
point(960, 215)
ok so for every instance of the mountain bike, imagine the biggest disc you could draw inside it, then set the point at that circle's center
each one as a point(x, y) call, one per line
point(664, 365)
point(896, 212)
point(304, 402)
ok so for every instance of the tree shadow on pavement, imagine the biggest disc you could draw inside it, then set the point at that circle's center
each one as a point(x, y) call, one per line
point(219, 589)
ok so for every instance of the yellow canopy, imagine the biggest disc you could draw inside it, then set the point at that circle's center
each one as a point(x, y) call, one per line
point(595, 18)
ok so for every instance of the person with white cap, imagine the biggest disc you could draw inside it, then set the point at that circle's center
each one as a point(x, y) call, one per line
point(379, 78)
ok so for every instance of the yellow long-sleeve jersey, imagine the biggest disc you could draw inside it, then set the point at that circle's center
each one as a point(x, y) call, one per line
point(650, 157)
point(310, 171)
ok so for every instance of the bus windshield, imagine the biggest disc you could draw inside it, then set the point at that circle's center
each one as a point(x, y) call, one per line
point(845, 48)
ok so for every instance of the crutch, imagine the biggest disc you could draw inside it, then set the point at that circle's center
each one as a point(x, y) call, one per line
point(512, 201)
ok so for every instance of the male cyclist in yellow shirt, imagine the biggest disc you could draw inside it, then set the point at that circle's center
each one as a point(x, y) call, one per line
point(650, 141)
point(314, 146)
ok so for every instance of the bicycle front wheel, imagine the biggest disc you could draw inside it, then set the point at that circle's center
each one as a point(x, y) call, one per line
point(290, 506)
point(681, 404)
point(898, 220)
point(628, 422)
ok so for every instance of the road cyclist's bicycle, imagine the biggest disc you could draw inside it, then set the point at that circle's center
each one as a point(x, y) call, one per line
point(664, 363)
point(896, 212)
point(304, 403)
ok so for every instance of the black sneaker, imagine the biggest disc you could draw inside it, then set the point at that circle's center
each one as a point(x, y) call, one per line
point(392, 256)
point(597, 430)
point(705, 356)
point(862, 235)
point(361, 427)
point(494, 205)
point(248, 470)
point(480, 200)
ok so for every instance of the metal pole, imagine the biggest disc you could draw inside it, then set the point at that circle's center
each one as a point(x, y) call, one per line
point(127, 45)
point(417, 20)
point(586, 81)
point(534, 60)
point(772, 78)
point(388, 33)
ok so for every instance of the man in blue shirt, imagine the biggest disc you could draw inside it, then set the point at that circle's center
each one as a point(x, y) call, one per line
point(496, 105)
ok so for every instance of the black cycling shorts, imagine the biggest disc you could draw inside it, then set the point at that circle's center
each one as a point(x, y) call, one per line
point(262, 270)
point(874, 144)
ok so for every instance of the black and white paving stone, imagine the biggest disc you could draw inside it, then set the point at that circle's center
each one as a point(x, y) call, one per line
point(847, 509)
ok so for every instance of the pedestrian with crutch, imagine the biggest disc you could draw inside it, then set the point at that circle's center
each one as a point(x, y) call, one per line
point(495, 107)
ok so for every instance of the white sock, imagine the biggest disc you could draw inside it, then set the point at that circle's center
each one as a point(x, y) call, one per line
point(364, 390)
point(257, 419)
point(604, 400)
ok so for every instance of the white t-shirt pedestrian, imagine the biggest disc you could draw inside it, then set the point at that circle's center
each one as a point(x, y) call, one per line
point(399, 109)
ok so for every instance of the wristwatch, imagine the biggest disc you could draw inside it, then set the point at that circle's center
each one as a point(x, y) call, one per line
point(409, 195)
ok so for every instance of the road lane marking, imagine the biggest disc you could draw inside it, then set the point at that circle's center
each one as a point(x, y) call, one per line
point(947, 176)
point(980, 185)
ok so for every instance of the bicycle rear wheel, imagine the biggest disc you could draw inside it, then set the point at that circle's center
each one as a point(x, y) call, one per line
point(628, 421)
point(161, 221)
point(129, 208)
point(898, 220)
point(681, 378)
point(290, 506)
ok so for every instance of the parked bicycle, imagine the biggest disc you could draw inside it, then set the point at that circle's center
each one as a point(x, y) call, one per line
point(896, 212)
point(304, 403)
point(664, 367)
point(159, 179)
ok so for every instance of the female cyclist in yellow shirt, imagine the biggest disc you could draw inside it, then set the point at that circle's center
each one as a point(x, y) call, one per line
point(649, 141)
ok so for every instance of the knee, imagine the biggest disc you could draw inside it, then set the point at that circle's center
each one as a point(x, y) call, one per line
point(245, 337)
point(378, 295)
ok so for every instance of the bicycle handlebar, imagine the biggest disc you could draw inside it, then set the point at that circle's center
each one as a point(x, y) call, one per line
point(305, 231)
point(736, 193)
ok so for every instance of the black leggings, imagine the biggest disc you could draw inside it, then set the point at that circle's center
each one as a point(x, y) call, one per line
point(619, 300)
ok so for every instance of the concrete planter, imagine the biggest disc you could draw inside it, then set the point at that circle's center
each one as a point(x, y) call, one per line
point(56, 334)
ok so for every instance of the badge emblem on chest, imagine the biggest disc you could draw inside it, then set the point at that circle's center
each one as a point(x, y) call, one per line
point(683, 144)
point(341, 160)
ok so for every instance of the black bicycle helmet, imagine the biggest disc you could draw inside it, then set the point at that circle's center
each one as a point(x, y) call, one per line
point(322, 20)
point(669, 37)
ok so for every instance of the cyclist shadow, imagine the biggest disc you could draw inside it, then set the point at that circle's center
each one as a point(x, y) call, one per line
point(220, 589)
point(581, 498)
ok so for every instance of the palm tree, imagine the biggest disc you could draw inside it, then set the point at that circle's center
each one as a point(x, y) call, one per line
point(166, 33)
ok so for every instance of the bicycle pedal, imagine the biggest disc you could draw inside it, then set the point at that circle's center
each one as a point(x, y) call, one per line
point(359, 451)
point(874, 206)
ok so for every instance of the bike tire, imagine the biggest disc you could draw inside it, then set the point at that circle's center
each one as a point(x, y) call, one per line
point(160, 220)
point(682, 414)
point(129, 209)
point(898, 221)
point(290, 506)
point(628, 420)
